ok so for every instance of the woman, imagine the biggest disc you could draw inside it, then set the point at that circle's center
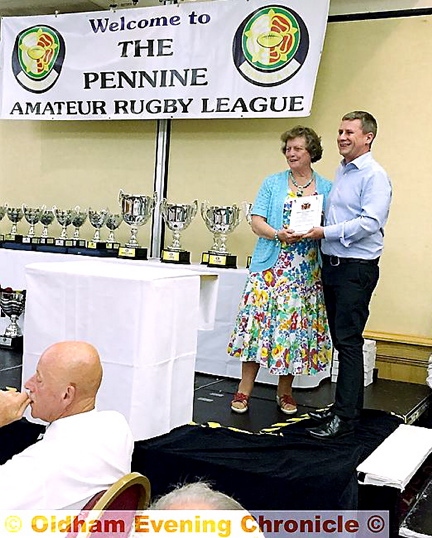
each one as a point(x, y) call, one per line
point(282, 323)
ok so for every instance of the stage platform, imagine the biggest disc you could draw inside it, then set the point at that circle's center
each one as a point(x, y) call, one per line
point(213, 395)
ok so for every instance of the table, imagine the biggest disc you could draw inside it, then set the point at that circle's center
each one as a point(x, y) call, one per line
point(142, 319)
point(211, 351)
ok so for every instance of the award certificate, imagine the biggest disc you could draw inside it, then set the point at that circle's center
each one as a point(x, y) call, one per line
point(306, 212)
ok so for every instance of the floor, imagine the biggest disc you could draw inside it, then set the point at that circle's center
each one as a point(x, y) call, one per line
point(213, 396)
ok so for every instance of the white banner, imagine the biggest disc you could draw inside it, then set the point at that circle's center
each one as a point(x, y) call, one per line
point(219, 59)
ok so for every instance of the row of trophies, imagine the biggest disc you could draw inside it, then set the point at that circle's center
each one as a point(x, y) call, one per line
point(135, 211)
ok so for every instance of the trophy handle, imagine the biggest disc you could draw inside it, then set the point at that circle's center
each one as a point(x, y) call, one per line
point(163, 207)
point(120, 196)
point(204, 206)
point(194, 208)
point(154, 200)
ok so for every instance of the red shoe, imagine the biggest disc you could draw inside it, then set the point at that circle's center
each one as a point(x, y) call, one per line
point(240, 403)
point(287, 404)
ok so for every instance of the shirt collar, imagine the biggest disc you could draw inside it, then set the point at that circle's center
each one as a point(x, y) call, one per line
point(359, 162)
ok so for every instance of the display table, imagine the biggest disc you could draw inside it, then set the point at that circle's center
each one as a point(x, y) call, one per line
point(212, 357)
point(142, 319)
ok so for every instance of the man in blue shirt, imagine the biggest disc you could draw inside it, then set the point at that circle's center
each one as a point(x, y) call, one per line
point(352, 242)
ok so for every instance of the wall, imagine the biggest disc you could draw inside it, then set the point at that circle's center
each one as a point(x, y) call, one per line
point(379, 65)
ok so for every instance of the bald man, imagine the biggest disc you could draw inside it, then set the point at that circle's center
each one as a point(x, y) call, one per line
point(82, 452)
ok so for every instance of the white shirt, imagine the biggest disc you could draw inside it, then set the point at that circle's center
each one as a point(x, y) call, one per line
point(78, 456)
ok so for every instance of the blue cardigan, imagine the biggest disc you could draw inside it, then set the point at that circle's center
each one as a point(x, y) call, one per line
point(269, 204)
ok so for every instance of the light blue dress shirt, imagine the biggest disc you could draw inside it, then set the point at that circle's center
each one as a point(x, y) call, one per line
point(357, 209)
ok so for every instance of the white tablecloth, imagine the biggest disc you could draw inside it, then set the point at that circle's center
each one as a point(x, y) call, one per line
point(142, 319)
point(212, 357)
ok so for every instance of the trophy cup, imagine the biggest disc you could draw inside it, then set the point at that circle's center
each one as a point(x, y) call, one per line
point(15, 214)
point(177, 217)
point(136, 210)
point(220, 220)
point(46, 219)
point(112, 223)
point(32, 215)
point(12, 304)
point(247, 208)
point(97, 220)
point(3, 209)
point(64, 218)
point(78, 220)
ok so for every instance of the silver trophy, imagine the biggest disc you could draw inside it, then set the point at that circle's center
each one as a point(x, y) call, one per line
point(97, 219)
point(12, 304)
point(32, 215)
point(78, 220)
point(221, 221)
point(15, 214)
point(64, 218)
point(177, 217)
point(113, 222)
point(46, 219)
point(3, 210)
point(247, 210)
point(136, 210)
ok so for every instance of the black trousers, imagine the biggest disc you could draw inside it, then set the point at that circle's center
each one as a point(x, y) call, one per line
point(348, 288)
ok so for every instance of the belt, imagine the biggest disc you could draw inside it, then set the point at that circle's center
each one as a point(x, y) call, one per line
point(334, 261)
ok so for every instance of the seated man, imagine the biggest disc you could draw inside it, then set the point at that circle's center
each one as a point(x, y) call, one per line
point(82, 452)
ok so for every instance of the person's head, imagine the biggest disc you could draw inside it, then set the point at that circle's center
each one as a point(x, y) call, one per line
point(67, 378)
point(356, 133)
point(301, 143)
point(195, 496)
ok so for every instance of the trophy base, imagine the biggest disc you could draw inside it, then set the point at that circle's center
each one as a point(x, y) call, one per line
point(47, 241)
point(205, 258)
point(175, 256)
point(248, 261)
point(31, 240)
point(78, 243)
point(96, 245)
point(51, 248)
point(112, 245)
point(16, 246)
point(222, 260)
point(133, 253)
point(13, 238)
point(15, 343)
point(63, 243)
point(100, 253)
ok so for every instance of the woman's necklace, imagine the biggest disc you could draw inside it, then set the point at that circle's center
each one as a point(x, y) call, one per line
point(301, 188)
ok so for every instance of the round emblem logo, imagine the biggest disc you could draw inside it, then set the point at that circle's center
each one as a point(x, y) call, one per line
point(270, 45)
point(37, 58)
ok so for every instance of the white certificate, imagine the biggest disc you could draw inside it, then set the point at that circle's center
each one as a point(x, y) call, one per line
point(306, 212)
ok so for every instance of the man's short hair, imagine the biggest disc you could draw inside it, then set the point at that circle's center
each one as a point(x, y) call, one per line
point(197, 494)
point(368, 122)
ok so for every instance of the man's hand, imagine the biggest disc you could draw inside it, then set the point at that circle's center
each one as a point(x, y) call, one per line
point(12, 406)
point(315, 233)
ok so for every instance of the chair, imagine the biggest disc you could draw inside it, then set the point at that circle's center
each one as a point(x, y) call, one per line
point(129, 494)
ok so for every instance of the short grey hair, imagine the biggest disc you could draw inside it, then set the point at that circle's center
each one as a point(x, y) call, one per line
point(195, 496)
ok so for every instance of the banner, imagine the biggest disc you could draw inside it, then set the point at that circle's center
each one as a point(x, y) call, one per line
point(219, 59)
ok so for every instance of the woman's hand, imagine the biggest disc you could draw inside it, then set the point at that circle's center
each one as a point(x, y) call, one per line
point(288, 236)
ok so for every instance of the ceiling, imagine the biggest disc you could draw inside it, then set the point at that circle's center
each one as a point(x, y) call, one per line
point(17, 8)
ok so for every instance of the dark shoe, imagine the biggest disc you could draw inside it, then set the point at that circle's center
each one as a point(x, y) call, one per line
point(321, 415)
point(332, 429)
